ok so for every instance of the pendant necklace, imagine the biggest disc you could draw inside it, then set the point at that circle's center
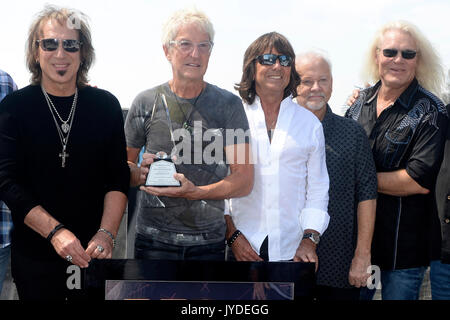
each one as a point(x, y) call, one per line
point(65, 127)
point(186, 125)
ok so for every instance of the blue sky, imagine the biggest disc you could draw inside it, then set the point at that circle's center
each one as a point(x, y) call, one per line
point(130, 59)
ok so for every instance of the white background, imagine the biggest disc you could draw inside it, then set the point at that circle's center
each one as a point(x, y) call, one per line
point(130, 59)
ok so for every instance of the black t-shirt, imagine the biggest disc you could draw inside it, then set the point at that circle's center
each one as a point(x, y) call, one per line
point(30, 165)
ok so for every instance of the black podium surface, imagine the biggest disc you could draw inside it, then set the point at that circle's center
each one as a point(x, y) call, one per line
point(222, 280)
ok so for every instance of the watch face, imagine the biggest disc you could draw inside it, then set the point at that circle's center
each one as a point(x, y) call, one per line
point(314, 237)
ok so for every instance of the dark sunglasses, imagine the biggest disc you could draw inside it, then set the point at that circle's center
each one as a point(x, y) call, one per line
point(406, 54)
point(69, 45)
point(269, 59)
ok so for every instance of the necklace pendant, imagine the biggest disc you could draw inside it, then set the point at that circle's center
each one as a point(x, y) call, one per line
point(63, 155)
point(65, 127)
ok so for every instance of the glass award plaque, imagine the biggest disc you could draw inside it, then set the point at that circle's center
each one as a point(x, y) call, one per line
point(161, 172)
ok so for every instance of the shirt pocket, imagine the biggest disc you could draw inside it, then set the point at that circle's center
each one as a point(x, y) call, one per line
point(396, 142)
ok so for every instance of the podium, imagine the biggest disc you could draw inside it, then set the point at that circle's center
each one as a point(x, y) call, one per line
point(128, 279)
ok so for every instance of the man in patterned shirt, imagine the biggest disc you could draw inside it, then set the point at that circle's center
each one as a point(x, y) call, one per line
point(344, 250)
point(7, 86)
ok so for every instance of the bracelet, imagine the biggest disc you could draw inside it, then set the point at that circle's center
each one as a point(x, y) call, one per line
point(52, 233)
point(109, 234)
point(233, 238)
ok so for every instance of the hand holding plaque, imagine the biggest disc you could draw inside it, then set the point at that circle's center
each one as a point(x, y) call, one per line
point(161, 172)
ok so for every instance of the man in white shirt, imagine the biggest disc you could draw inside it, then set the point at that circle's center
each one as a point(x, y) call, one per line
point(286, 212)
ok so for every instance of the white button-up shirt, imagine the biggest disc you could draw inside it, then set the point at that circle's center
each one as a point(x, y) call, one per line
point(290, 192)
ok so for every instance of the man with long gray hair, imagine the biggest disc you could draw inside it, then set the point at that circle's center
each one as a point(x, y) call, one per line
point(63, 167)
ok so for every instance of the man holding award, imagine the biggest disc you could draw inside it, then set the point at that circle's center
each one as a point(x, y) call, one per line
point(195, 162)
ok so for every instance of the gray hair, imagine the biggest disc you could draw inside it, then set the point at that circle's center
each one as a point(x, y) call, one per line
point(316, 53)
point(184, 17)
point(429, 70)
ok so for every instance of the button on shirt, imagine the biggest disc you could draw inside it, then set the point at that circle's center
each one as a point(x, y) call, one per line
point(7, 86)
point(290, 191)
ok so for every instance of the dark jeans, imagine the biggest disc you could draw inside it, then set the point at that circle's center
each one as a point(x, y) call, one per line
point(146, 248)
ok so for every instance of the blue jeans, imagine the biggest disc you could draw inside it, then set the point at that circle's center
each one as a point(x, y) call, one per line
point(146, 248)
point(403, 284)
point(4, 262)
point(440, 280)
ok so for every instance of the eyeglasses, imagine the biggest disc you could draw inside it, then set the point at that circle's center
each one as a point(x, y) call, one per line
point(269, 59)
point(69, 45)
point(187, 46)
point(406, 54)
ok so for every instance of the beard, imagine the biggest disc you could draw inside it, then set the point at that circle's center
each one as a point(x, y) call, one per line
point(316, 105)
point(61, 72)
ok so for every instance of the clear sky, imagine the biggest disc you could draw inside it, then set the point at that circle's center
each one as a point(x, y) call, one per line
point(130, 59)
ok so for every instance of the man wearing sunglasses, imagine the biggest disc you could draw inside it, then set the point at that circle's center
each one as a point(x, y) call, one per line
point(284, 216)
point(62, 160)
point(406, 124)
point(187, 222)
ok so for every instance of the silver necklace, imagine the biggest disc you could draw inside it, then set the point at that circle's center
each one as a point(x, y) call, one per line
point(65, 126)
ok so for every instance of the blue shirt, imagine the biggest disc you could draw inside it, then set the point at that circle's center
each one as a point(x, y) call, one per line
point(7, 86)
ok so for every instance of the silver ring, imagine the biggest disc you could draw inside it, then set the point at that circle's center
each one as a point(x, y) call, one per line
point(100, 248)
point(69, 258)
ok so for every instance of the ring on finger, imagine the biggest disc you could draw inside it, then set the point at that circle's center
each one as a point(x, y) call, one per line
point(69, 258)
point(100, 248)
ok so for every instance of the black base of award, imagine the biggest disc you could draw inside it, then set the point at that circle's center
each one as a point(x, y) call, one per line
point(196, 280)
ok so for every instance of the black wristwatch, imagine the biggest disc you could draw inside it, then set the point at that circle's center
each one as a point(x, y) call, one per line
point(314, 237)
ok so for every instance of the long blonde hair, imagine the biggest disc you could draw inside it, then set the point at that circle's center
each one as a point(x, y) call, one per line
point(429, 71)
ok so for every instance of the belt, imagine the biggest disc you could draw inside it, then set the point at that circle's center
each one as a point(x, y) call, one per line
point(177, 236)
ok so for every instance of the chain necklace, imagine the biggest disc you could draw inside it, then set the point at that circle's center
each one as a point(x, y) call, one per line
point(65, 127)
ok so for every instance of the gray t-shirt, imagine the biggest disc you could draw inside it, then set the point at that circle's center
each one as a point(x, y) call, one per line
point(200, 127)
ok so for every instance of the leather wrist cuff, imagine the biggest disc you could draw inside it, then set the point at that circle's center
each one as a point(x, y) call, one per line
point(233, 237)
point(52, 233)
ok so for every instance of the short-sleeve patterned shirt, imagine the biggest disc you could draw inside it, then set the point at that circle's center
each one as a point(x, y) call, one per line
point(353, 179)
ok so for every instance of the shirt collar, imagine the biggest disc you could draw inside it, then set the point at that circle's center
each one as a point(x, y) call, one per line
point(328, 114)
point(405, 98)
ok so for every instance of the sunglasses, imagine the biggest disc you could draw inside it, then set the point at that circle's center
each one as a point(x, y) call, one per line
point(69, 45)
point(406, 54)
point(269, 59)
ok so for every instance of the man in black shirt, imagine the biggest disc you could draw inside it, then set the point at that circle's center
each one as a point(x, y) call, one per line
point(406, 126)
point(344, 249)
point(440, 270)
point(63, 167)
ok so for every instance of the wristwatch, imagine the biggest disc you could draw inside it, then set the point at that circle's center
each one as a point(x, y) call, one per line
point(314, 237)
